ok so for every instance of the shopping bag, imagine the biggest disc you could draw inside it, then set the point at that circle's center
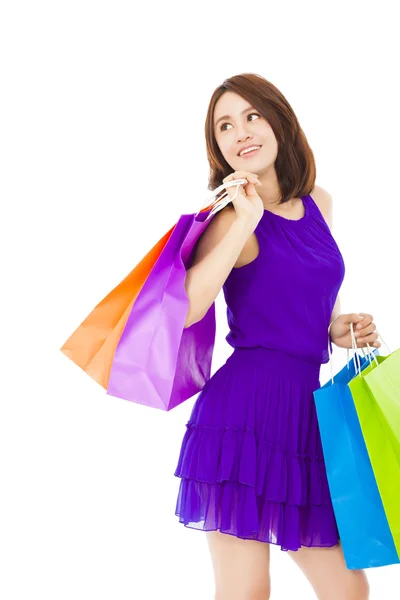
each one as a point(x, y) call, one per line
point(92, 345)
point(158, 362)
point(362, 523)
point(375, 395)
point(384, 384)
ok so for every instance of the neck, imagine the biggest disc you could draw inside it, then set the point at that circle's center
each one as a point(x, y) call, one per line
point(269, 190)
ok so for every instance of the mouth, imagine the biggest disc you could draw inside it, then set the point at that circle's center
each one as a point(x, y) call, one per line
point(248, 154)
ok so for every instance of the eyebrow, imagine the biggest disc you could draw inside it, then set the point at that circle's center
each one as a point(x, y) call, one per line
point(229, 117)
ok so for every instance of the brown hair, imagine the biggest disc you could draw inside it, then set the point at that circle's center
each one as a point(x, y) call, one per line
point(294, 165)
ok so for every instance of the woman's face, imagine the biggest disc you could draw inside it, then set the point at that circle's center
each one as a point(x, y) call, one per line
point(243, 127)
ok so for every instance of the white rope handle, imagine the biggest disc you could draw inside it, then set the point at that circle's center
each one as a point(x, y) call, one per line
point(357, 364)
point(224, 199)
point(371, 353)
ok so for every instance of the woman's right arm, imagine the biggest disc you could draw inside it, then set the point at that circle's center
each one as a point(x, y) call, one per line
point(217, 251)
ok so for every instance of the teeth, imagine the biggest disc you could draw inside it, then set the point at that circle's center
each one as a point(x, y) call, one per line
point(249, 150)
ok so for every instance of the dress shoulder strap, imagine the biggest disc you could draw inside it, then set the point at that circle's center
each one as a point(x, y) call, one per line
point(314, 208)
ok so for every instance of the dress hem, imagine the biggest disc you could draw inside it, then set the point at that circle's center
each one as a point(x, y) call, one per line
point(255, 539)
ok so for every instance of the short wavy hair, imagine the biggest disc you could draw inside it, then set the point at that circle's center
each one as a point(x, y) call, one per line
point(295, 163)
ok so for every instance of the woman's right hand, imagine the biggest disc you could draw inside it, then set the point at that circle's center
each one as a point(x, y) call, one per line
point(248, 204)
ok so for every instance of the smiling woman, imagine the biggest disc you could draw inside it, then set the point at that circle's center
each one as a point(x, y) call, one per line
point(251, 462)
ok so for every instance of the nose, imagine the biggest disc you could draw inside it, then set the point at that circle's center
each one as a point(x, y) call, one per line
point(243, 135)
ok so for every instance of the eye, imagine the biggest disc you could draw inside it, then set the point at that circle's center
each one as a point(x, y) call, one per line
point(249, 115)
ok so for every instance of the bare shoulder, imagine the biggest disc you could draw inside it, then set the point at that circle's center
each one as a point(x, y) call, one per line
point(324, 201)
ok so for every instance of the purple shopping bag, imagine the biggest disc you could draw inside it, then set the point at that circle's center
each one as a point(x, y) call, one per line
point(157, 362)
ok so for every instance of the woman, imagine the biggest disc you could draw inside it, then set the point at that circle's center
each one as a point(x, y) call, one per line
point(251, 462)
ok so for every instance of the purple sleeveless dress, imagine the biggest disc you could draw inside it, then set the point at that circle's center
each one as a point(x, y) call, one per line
point(251, 462)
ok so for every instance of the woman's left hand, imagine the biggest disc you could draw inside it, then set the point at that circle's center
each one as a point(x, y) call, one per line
point(364, 331)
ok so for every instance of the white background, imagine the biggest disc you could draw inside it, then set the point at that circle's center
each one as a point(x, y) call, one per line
point(102, 148)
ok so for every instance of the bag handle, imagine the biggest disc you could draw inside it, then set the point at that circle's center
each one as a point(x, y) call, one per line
point(356, 356)
point(354, 347)
point(218, 204)
point(354, 344)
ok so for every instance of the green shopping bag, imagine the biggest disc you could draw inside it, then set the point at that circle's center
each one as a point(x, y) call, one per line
point(384, 384)
point(376, 396)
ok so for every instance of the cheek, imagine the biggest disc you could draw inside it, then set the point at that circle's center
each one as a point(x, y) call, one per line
point(226, 148)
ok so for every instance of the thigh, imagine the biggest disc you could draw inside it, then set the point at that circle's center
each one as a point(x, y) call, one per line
point(326, 570)
point(241, 567)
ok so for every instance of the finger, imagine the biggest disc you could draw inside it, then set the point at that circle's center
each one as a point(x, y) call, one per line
point(232, 191)
point(242, 175)
point(364, 315)
point(367, 319)
point(370, 339)
point(352, 318)
point(364, 345)
point(235, 175)
point(245, 174)
point(251, 191)
point(245, 189)
point(366, 330)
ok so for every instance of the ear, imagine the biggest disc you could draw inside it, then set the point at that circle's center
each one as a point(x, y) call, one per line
point(324, 202)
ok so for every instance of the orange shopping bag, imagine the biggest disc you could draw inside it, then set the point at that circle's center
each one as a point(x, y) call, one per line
point(93, 343)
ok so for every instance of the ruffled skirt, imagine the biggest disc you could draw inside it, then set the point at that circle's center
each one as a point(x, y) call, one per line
point(251, 461)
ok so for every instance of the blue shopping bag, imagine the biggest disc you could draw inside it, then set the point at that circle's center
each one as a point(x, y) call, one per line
point(363, 527)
